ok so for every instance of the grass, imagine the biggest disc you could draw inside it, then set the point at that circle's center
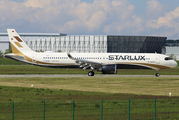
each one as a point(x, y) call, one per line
point(38, 70)
point(58, 104)
point(138, 86)
point(87, 93)
point(5, 61)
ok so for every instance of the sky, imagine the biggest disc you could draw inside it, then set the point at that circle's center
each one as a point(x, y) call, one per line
point(92, 17)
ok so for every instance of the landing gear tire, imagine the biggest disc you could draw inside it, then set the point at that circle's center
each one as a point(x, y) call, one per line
point(157, 74)
point(90, 73)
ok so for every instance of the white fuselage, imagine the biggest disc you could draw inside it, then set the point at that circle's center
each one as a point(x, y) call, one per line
point(52, 59)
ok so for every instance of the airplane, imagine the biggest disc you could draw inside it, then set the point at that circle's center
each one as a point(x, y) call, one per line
point(107, 63)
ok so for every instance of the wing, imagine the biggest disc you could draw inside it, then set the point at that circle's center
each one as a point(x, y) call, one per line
point(85, 63)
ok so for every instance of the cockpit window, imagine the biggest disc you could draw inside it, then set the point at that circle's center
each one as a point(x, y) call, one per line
point(168, 58)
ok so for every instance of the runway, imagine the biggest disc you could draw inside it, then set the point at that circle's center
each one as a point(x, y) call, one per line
point(80, 75)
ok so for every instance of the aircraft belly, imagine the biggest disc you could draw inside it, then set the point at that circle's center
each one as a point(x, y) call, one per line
point(131, 66)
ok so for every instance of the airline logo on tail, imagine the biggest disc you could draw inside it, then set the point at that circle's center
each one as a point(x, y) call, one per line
point(17, 38)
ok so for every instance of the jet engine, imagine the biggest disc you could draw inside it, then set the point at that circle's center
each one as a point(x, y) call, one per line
point(108, 69)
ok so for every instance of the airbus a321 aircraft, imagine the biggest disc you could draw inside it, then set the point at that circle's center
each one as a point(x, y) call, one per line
point(107, 63)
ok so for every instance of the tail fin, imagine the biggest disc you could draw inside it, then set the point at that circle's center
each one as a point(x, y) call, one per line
point(18, 46)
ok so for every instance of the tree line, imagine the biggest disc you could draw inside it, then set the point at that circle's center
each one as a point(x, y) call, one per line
point(172, 41)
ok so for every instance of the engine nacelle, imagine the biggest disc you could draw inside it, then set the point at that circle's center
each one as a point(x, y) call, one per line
point(108, 69)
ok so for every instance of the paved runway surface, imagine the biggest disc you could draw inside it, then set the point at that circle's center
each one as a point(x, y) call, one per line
point(67, 75)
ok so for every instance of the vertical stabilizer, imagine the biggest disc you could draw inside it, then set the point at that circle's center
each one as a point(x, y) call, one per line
point(18, 46)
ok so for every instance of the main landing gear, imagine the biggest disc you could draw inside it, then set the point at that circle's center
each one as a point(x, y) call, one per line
point(90, 73)
point(157, 74)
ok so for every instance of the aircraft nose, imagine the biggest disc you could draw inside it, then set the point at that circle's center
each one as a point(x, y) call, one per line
point(175, 64)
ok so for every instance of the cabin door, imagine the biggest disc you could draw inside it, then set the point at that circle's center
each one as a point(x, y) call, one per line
point(157, 59)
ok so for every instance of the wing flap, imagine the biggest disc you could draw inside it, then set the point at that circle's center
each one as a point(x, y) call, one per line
point(85, 63)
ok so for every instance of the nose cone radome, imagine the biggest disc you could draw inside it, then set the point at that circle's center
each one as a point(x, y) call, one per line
point(175, 64)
